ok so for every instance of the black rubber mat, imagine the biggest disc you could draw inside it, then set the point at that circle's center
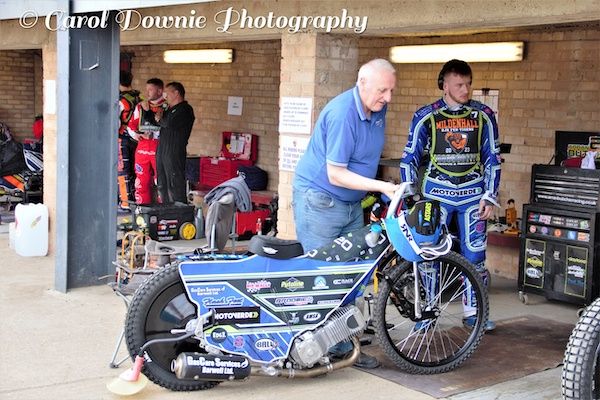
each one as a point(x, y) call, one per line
point(517, 347)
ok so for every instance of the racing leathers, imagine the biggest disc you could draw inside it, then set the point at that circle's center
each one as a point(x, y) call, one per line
point(127, 144)
point(463, 168)
point(145, 154)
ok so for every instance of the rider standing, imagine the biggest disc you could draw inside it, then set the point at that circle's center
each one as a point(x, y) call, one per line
point(147, 135)
point(128, 98)
point(463, 172)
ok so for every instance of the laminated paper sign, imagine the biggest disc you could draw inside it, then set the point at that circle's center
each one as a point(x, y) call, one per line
point(291, 148)
point(295, 115)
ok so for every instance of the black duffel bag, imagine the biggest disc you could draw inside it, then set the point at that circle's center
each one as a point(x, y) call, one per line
point(255, 177)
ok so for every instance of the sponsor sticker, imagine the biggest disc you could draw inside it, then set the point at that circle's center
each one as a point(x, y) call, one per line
point(266, 344)
point(292, 284)
point(312, 316)
point(294, 319)
point(583, 237)
point(557, 233)
point(237, 315)
point(219, 335)
point(533, 273)
point(222, 301)
point(238, 342)
point(343, 281)
point(294, 301)
point(256, 286)
point(320, 283)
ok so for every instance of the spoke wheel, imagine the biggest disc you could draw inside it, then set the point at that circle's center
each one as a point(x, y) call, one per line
point(437, 341)
point(159, 305)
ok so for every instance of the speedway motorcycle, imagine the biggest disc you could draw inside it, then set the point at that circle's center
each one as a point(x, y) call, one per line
point(276, 312)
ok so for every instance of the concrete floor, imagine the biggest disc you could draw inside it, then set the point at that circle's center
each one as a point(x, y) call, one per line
point(57, 346)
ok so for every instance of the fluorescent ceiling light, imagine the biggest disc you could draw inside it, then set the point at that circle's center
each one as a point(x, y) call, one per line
point(470, 52)
point(207, 56)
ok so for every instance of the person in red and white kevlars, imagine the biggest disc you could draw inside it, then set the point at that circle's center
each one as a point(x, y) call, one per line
point(147, 135)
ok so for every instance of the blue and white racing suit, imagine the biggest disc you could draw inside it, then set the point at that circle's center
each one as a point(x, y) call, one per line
point(463, 168)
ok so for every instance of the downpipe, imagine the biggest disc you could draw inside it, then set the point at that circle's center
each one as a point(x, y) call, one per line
point(312, 372)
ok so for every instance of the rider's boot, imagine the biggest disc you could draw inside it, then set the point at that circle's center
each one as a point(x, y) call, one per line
point(341, 350)
point(470, 302)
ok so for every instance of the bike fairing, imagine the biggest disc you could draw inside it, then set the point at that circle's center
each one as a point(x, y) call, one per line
point(262, 304)
point(275, 300)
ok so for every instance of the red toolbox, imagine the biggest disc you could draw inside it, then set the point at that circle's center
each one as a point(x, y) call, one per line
point(246, 222)
point(216, 170)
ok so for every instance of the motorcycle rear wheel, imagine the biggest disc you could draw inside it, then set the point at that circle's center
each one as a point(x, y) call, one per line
point(439, 343)
point(580, 379)
point(159, 305)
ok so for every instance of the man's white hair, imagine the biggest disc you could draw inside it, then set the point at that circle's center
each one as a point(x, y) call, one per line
point(372, 67)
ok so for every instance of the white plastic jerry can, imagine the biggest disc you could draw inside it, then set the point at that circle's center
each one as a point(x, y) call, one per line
point(31, 230)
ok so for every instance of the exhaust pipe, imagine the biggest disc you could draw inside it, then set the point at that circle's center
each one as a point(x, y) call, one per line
point(310, 373)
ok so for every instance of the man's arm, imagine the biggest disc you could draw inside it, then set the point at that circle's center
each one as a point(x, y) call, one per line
point(415, 146)
point(490, 157)
point(342, 176)
point(134, 123)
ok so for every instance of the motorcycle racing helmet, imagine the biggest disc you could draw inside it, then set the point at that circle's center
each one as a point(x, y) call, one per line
point(418, 234)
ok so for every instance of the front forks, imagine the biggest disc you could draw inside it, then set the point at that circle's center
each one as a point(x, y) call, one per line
point(417, 305)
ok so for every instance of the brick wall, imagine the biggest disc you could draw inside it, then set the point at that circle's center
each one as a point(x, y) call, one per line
point(254, 75)
point(19, 99)
point(556, 87)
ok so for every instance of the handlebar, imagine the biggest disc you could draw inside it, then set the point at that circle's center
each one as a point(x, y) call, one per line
point(406, 189)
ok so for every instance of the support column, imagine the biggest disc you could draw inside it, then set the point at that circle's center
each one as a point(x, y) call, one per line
point(91, 193)
point(50, 147)
point(314, 65)
point(81, 79)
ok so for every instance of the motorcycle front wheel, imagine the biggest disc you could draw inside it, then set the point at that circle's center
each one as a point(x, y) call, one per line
point(159, 305)
point(580, 379)
point(440, 338)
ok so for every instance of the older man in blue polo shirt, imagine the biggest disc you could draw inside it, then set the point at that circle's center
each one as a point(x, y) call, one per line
point(340, 164)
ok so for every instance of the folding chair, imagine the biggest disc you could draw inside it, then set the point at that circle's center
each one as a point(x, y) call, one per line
point(126, 283)
point(129, 277)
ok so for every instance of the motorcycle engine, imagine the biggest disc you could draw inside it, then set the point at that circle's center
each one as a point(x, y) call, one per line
point(343, 324)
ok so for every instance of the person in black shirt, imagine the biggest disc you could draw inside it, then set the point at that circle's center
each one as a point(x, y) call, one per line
point(175, 128)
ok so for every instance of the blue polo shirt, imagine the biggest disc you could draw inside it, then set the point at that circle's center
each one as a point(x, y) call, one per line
point(342, 136)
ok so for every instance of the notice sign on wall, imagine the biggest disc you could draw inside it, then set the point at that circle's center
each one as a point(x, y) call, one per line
point(235, 105)
point(295, 115)
point(290, 150)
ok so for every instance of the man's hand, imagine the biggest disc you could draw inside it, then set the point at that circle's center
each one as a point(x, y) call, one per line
point(158, 114)
point(389, 189)
point(486, 210)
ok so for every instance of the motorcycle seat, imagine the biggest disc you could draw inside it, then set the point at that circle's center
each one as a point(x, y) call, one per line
point(272, 247)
